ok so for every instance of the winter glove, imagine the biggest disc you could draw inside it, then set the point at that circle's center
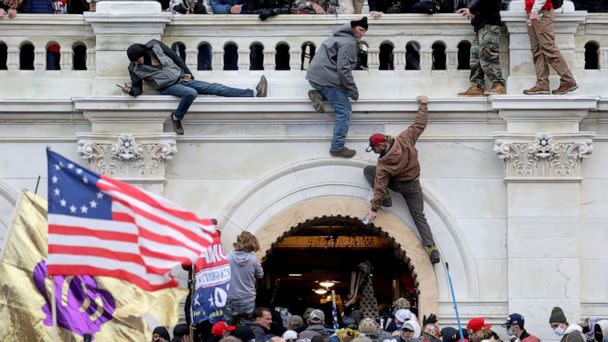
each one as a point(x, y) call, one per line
point(432, 319)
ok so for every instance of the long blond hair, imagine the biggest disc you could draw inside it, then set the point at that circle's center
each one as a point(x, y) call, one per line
point(246, 242)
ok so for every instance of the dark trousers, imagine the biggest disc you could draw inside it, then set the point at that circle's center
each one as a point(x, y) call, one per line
point(412, 193)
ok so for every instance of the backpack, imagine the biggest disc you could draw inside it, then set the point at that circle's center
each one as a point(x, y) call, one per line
point(557, 3)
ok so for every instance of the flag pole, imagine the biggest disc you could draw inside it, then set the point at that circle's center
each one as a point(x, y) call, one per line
point(191, 289)
point(54, 310)
point(447, 267)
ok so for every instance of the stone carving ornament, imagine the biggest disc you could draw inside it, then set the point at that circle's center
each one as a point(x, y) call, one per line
point(543, 157)
point(126, 157)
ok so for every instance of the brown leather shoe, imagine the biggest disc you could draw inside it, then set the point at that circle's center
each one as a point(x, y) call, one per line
point(343, 152)
point(537, 90)
point(497, 89)
point(473, 90)
point(317, 101)
point(565, 88)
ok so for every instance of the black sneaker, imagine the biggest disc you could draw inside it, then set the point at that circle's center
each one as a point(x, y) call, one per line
point(177, 126)
point(343, 152)
point(262, 87)
point(317, 101)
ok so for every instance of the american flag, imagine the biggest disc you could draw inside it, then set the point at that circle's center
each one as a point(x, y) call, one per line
point(100, 226)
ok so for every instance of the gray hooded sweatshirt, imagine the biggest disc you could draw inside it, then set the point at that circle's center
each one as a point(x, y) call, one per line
point(244, 268)
point(334, 61)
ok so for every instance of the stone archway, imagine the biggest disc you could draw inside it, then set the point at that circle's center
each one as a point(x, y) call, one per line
point(350, 207)
point(328, 186)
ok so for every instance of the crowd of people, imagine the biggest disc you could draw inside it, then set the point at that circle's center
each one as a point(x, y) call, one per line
point(400, 324)
point(268, 8)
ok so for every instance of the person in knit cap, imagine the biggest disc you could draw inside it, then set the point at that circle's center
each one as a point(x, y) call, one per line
point(567, 332)
point(398, 169)
point(475, 329)
point(166, 71)
point(515, 328)
point(330, 74)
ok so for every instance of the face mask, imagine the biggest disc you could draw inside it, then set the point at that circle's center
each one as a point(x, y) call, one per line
point(510, 332)
point(399, 326)
point(559, 331)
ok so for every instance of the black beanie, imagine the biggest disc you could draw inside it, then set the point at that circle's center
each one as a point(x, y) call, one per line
point(135, 51)
point(361, 22)
point(557, 316)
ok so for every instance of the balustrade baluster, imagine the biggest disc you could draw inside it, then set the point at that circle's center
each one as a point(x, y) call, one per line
point(67, 58)
point(426, 59)
point(12, 58)
point(373, 58)
point(91, 59)
point(269, 62)
point(399, 59)
point(243, 62)
point(192, 58)
point(295, 55)
point(39, 59)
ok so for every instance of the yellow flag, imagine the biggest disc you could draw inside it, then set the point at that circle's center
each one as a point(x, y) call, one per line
point(109, 309)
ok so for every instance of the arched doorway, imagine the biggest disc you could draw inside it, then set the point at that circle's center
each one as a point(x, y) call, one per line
point(320, 254)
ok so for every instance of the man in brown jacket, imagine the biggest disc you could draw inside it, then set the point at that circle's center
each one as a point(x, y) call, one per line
point(398, 169)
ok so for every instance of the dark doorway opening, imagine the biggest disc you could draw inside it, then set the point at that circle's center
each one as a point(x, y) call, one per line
point(328, 249)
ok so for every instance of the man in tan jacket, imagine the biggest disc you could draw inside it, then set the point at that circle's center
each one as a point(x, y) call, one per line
point(398, 169)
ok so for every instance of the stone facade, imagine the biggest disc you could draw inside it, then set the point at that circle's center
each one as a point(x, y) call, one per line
point(515, 187)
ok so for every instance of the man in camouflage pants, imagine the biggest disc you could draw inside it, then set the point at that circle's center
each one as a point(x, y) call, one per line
point(485, 51)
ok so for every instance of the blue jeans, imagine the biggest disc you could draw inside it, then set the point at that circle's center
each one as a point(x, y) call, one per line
point(237, 308)
point(339, 100)
point(189, 90)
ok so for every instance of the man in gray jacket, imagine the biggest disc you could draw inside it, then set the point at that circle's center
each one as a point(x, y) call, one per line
point(165, 71)
point(330, 74)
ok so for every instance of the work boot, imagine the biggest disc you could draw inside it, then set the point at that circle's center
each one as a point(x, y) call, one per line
point(262, 87)
point(433, 253)
point(343, 152)
point(473, 90)
point(497, 89)
point(177, 126)
point(317, 101)
point(387, 201)
point(565, 88)
point(537, 90)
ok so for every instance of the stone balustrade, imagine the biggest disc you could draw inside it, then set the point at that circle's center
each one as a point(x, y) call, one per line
point(433, 49)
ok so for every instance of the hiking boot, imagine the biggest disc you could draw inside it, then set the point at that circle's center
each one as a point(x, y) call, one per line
point(262, 87)
point(537, 90)
point(497, 89)
point(565, 88)
point(177, 126)
point(343, 152)
point(387, 201)
point(473, 90)
point(433, 253)
point(317, 101)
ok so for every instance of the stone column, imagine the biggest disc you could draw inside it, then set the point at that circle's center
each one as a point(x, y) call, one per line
point(521, 67)
point(118, 24)
point(543, 151)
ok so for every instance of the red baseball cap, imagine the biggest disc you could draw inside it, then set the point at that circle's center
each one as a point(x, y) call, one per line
point(476, 324)
point(375, 140)
point(219, 328)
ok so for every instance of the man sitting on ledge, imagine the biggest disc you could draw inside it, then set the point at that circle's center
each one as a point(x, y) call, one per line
point(166, 72)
